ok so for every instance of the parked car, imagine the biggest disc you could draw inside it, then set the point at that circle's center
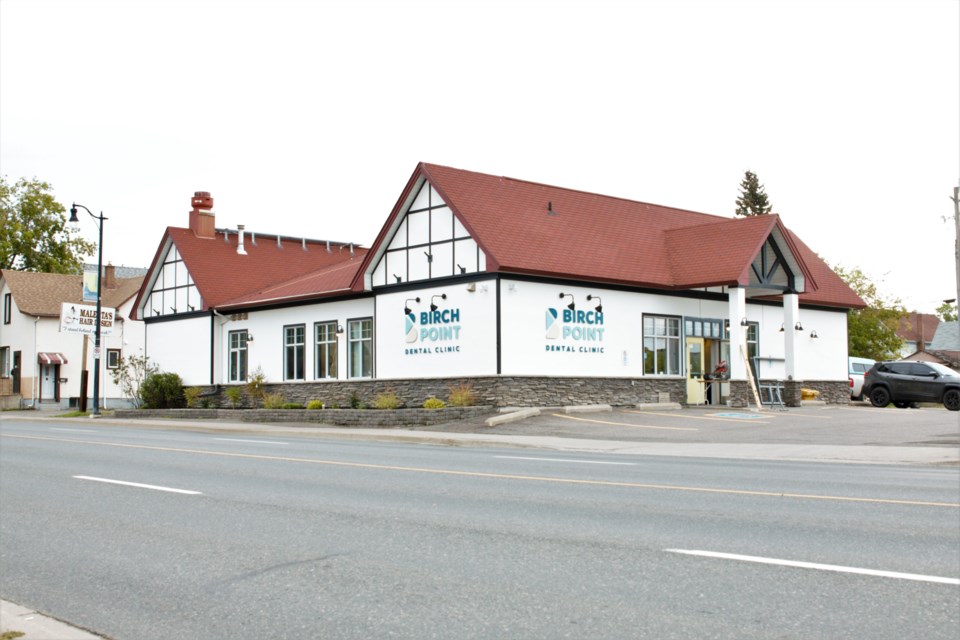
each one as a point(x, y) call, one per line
point(856, 367)
point(905, 382)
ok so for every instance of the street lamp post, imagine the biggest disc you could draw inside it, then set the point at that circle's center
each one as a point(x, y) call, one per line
point(95, 412)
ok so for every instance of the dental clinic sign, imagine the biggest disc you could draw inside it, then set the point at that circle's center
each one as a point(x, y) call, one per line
point(436, 331)
point(82, 318)
point(574, 331)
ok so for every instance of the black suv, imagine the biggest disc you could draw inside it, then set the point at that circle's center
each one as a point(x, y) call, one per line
point(905, 382)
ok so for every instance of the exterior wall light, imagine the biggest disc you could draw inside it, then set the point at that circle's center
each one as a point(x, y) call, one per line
point(798, 326)
point(572, 304)
point(781, 327)
point(744, 323)
point(433, 300)
point(249, 337)
point(406, 306)
point(339, 329)
point(813, 334)
point(599, 307)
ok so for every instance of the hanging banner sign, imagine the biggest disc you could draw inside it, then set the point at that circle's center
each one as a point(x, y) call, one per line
point(81, 318)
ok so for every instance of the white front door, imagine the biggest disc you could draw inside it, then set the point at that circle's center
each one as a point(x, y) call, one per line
point(48, 382)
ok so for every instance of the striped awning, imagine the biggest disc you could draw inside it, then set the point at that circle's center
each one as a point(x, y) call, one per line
point(51, 357)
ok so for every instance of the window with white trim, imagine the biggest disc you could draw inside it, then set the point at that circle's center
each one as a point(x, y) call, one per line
point(113, 358)
point(661, 345)
point(7, 306)
point(325, 350)
point(293, 352)
point(238, 356)
point(360, 348)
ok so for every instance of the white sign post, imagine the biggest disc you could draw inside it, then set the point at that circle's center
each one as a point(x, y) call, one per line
point(81, 318)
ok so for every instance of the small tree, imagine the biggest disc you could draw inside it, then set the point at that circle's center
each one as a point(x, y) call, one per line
point(872, 332)
point(947, 311)
point(34, 235)
point(129, 376)
point(256, 386)
point(753, 199)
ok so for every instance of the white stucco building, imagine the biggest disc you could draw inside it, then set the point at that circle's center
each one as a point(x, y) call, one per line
point(533, 293)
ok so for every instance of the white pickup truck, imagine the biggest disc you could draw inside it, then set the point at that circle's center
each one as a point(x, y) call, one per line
point(856, 367)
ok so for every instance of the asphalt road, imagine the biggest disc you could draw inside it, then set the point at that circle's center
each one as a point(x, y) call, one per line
point(250, 536)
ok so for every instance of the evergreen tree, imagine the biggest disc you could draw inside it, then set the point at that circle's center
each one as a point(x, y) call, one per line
point(753, 199)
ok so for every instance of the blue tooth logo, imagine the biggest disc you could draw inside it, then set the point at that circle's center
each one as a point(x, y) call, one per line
point(553, 327)
point(411, 327)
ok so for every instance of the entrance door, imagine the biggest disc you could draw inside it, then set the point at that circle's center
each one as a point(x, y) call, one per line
point(48, 382)
point(695, 392)
point(15, 372)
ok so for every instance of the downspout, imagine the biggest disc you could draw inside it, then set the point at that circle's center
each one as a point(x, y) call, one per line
point(36, 378)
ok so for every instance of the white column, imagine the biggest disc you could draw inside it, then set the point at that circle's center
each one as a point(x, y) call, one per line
point(791, 337)
point(737, 310)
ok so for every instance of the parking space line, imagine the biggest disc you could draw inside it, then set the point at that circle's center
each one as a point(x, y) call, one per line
point(620, 424)
point(668, 415)
point(815, 565)
point(140, 486)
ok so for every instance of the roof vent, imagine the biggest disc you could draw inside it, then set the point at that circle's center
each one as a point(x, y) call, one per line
point(240, 250)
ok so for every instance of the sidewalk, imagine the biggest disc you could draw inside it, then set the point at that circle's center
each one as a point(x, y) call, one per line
point(863, 454)
point(35, 626)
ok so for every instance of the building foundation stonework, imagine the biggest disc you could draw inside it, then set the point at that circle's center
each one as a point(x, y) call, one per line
point(496, 391)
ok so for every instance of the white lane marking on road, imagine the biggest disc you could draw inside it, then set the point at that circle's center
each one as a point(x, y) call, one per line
point(140, 486)
point(251, 441)
point(626, 464)
point(74, 430)
point(814, 565)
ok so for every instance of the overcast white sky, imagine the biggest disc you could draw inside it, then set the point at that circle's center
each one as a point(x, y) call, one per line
point(307, 118)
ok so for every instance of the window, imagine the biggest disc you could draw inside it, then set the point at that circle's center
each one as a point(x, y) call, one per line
point(238, 356)
point(325, 356)
point(113, 358)
point(360, 348)
point(7, 304)
point(661, 345)
point(4, 362)
point(293, 352)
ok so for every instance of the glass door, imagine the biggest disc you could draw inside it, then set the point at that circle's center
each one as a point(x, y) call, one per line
point(695, 383)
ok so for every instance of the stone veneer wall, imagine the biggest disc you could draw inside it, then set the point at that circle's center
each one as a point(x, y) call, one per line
point(343, 417)
point(497, 391)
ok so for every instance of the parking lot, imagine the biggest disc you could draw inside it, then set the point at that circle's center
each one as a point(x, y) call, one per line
point(856, 424)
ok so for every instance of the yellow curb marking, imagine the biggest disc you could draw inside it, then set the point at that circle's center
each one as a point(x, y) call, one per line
point(496, 476)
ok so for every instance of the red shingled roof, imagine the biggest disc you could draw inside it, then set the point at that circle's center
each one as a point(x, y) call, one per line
point(325, 282)
point(526, 227)
point(222, 275)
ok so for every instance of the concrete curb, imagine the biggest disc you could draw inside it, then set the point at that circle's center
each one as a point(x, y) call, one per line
point(36, 626)
point(659, 406)
point(522, 414)
point(588, 408)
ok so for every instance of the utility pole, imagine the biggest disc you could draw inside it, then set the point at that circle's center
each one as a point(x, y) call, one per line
point(956, 247)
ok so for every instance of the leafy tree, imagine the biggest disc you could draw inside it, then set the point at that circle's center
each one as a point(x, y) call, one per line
point(34, 235)
point(753, 199)
point(947, 312)
point(872, 331)
point(129, 376)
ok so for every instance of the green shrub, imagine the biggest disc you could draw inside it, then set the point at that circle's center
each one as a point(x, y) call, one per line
point(462, 395)
point(434, 403)
point(204, 403)
point(234, 396)
point(273, 401)
point(162, 391)
point(192, 396)
point(256, 385)
point(387, 400)
point(313, 405)
point(291, 405)
point(355, 402)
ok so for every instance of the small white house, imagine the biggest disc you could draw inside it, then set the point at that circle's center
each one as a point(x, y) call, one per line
point(534, 294)
point(42, 366)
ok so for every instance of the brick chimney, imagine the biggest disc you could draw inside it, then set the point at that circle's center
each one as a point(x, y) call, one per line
point(110, 277)
point(202, 217)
